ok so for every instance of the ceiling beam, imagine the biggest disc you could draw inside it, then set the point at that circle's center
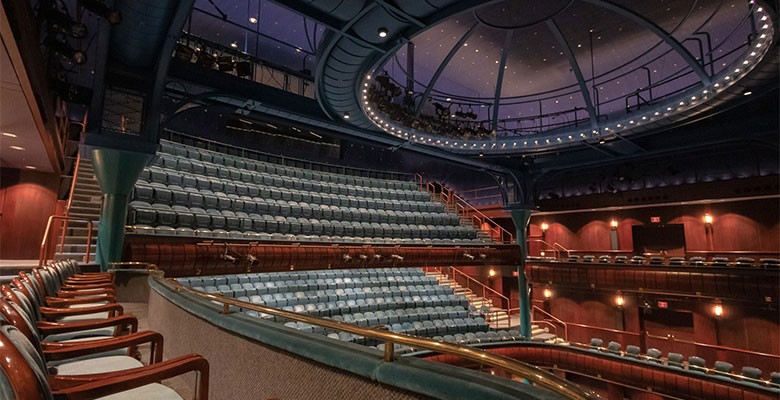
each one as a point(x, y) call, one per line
point(675, 44)
point(575, 67)
point(500, 79)
point(442, 66)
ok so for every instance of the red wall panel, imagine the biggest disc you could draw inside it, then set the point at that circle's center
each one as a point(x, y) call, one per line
point(27, 199)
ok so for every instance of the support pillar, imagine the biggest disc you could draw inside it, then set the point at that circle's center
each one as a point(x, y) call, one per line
point(116, 172)
point(521, 215)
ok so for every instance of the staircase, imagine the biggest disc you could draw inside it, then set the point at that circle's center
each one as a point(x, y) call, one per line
point(482, 234)
point(496, 317)
point(84, 203)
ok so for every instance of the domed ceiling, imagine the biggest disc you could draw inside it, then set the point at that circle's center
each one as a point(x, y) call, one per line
point(523, 75)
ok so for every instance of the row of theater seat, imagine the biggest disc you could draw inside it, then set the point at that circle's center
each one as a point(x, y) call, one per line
point(62, 335)
point(244, 182)
point(207, 156)
point(296, 204)
point(694, 364)
point(679, 261)
point(142, 213)
point(401, 299)
point(467, 338)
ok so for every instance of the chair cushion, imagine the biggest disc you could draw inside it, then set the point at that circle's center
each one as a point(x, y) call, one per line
point(154, 391)
point(84, 317)
point(98, 365)
point(91, 333)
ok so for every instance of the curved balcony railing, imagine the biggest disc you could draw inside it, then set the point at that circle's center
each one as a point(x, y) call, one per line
point(517, 368)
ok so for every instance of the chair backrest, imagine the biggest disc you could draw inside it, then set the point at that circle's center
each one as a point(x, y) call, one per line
point(24, 368)
point(654, 353)
point(751, 372)
point(614, 347)
point(722, 366)
point(596, 342)
point(632, 351)
point(696, 363)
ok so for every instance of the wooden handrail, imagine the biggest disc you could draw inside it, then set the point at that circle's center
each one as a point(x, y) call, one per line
point(536, 375)
point(558, 245)
point(556, 319)
point(45, 241)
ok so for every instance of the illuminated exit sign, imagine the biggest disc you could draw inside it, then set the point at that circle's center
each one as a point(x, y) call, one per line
point(663, 304)
point(655, 220)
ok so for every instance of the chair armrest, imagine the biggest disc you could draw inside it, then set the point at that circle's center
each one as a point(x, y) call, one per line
point(113, 309)
point(69, 287)
point(57, 302)
point(83, 387)
point(79, 349)
point(122, 321)
point(82, 293)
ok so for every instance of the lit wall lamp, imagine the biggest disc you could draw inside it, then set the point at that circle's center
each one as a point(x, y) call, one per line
point(613, 236)
point(708, 220)
point(545, 227)
point(492, 273)
point(613, 224)
point(717, 309)
point(619, 300)
point(547, 293)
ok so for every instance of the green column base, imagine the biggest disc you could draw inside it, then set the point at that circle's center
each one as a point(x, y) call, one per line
point(116, 172)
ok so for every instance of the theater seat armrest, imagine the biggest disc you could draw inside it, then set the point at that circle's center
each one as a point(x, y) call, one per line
point(83, 387)
point(78, 293)
point(130, 322)
point(98, 346)
point(58, 302)
point(70, 287)
point(54, 313)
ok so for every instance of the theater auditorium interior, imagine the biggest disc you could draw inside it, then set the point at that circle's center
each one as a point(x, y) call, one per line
point(389, 199)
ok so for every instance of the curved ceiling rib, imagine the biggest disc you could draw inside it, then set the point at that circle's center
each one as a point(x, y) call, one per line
point(594, 118)
point(500, 79)
point(675, 44)
point(442, 66)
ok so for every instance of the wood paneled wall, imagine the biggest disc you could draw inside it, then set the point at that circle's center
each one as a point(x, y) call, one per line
point(27, 199)
point(738, 226)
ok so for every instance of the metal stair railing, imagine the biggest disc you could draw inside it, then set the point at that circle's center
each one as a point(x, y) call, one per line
point(464, 209)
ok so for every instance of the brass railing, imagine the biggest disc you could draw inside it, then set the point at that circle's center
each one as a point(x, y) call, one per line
point(44, 251)
point(520, 369)
point(550, 247)
point(464, 209)
point(70, 201)
point(554, 318)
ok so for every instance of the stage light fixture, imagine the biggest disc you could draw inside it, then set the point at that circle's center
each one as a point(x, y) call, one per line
point(114, 17)
point(382, 32)
point(61, 22)
point(64, 50)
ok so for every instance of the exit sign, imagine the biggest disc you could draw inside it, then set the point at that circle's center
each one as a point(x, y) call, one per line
point(663, 304)
point(655, 220)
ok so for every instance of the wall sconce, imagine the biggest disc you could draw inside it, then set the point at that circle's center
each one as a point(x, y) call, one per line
point(708, 219)
point(545, 227)
point(547, 293)
point(613, 224)
point(619, 300)
point(492, 273)
point(717, 310)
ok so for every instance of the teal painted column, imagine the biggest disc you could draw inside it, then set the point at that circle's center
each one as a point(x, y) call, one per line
point(116, 172)
point(521, 214)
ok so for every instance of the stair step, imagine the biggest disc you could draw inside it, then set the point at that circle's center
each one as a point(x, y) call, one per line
point(94, 210)
point(543, 337)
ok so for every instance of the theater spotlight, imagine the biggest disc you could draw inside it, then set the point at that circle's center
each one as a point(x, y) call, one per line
point(64, 50)
point(97, 7)
point(61, 22)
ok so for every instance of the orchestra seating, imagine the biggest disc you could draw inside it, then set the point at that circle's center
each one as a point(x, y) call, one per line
point(404, 300)
point(192, 192)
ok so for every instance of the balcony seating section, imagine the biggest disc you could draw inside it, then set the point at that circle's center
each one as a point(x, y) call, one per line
point(665, 380)
point(195, 192)
point(695, 364)
point(696, 261)
point(404, 300)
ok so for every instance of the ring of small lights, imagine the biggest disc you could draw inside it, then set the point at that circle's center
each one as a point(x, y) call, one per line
point(676, 105)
